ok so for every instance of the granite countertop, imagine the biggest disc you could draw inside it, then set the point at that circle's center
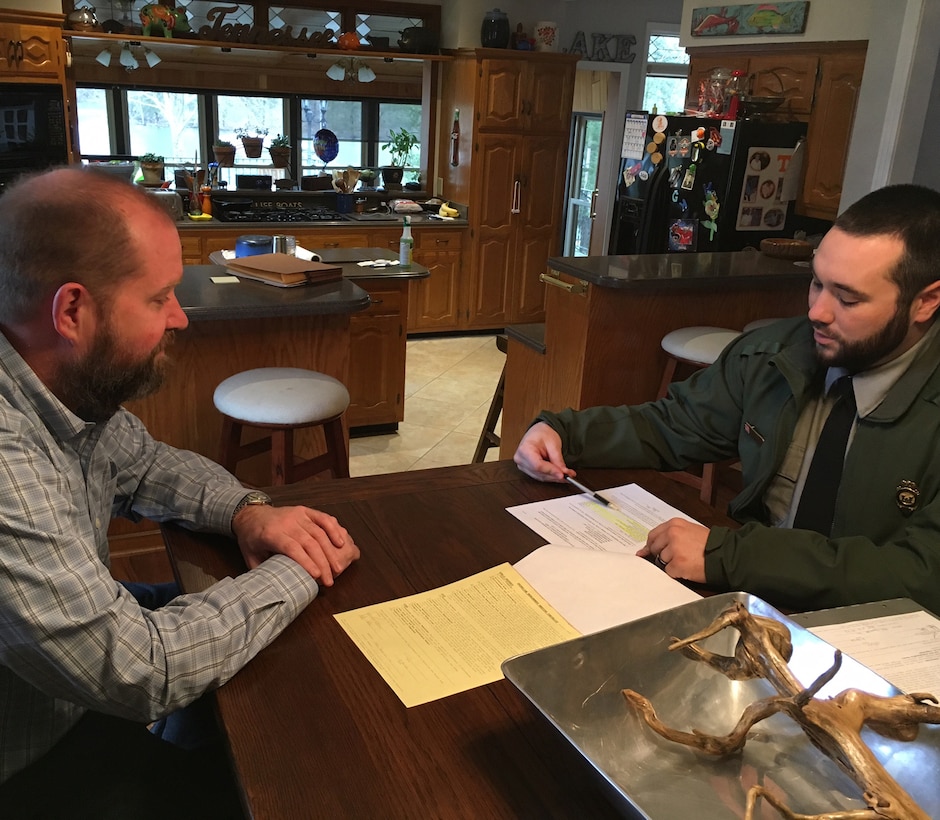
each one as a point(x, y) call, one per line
point(680, 270)
point(348, 259)
point(202, 299)
point(347, 221)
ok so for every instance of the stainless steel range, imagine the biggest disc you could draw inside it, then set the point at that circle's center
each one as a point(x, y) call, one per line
point(267, 207)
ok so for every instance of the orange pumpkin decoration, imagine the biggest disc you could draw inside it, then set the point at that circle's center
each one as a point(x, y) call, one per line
point(348, 41)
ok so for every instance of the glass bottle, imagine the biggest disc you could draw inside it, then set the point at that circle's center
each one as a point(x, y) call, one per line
point(406, 244)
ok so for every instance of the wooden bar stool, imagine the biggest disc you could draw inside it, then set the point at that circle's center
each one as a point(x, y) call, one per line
point(283, 399)
point(488, 436)
point(697, 347)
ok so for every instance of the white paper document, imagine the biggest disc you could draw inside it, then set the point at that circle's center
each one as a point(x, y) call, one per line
point(580, 521)
point(596, 590)
point(903, 649)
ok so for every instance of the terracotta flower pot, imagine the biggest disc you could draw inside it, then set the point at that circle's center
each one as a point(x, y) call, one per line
point(152, 171)
point(224, 155)
point(252, 146)
point(280, 156)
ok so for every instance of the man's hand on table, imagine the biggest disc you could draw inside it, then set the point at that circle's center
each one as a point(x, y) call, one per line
point(312, 538)
point(678, 547)
point(539, 454)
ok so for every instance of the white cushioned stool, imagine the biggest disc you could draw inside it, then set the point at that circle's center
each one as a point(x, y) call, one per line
point(283, 399)
point(699, 347)
point(760, 323)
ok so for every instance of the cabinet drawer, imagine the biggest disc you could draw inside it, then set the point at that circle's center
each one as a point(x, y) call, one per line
point(435, 239)
point(384, 300)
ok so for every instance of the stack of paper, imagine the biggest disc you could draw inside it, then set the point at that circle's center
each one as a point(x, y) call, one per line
point(284, 270)
point(455, 637)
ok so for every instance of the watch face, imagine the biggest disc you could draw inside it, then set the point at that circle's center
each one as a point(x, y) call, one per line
point(255, 497)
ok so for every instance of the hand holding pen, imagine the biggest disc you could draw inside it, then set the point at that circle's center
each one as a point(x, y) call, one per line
point(594, 494)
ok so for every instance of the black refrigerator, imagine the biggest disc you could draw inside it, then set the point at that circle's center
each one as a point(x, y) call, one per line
point(695, 184)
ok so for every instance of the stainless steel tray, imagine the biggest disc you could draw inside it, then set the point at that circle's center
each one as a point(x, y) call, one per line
point(576, 686)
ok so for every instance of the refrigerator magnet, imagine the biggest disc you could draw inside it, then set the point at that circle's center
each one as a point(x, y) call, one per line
point(660, 123)
point(682, 235)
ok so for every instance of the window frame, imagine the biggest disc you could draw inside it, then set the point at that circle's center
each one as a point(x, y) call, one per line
point(654, 69)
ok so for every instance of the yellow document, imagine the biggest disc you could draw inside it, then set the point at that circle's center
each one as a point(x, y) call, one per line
point(447, 640)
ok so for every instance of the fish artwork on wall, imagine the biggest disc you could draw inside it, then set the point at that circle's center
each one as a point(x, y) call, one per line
point(750, 19)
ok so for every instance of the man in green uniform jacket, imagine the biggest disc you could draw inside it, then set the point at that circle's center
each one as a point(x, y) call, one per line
point(872, 303)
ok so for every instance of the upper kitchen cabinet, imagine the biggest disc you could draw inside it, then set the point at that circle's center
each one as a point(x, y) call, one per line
point(830, 128)
point(819, 83)
point(509, 167)
point(526, 96)
point(31, 47)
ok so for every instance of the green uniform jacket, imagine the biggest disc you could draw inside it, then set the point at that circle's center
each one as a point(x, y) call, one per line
point(879, 547)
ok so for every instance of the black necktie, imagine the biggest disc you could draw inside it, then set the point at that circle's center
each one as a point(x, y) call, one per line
point(818, 500)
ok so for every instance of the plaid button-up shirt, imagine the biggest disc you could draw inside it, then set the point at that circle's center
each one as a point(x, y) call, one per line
point(71, 638)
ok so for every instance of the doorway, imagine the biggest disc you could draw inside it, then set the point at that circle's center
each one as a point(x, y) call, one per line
point(581, 199)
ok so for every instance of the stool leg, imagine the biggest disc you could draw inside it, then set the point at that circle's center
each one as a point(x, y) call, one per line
point(668, 375)
point(336, 447)
point(229, 443)
point(709, 483)
point(488, 437)
point(282, 456)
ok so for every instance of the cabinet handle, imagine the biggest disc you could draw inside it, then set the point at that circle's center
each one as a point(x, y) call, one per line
point(11, 51)
point(20, 53)
point(569, 287)
point(442, 241)
point(331, 244)
point(374, 301)
point(516, 198)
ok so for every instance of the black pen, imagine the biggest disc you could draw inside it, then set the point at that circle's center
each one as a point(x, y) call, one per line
point(595, 495)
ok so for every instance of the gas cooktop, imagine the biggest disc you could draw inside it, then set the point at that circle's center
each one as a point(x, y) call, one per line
point(278, 215)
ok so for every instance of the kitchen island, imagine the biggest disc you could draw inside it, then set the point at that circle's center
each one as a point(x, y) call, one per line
point(340, 328)
point(605, 317)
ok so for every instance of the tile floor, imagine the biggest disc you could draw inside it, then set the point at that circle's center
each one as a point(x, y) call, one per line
point(449, 384)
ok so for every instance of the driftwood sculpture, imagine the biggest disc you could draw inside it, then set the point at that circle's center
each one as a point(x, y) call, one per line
point(833, 725)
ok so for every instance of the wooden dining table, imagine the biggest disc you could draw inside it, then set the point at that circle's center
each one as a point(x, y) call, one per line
point(313, 729)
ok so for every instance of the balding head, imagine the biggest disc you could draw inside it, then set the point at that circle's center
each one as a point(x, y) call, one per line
point(69, 225)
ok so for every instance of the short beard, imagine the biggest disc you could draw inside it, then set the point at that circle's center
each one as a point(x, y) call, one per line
point(95, 387)
point(859, 356)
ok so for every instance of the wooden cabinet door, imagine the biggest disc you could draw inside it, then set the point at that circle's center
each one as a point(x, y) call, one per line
point(538, 223)
point(840, 78)
point(40, 52)
point(701, 68)
point(498, 189)
point(433, 303)
point(792, 75)
point(501, 90)
point(31, 52)
point(548, 95)
point(377, 356)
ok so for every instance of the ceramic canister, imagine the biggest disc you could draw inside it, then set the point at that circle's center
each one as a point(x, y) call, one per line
point(494, 33)
point(546, 36)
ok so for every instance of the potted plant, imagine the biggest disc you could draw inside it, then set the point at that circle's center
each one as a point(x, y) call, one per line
point(152, 167)
point(224, 153)
point(399, 144)
point(367, 178)
point(280, 151)
point(252, 140)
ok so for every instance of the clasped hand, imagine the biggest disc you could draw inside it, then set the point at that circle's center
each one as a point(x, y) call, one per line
point(677, 545)
point(312, 538)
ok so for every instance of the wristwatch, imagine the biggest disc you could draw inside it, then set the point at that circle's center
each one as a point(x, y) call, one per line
point(253, 498)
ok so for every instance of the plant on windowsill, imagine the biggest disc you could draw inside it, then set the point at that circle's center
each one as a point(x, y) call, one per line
point(224, 153)
point(151, 165)
point(399, 145)
point(279, 150)
point(252, 140)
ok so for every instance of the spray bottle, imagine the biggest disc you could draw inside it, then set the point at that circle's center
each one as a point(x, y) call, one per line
point(406, 244)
